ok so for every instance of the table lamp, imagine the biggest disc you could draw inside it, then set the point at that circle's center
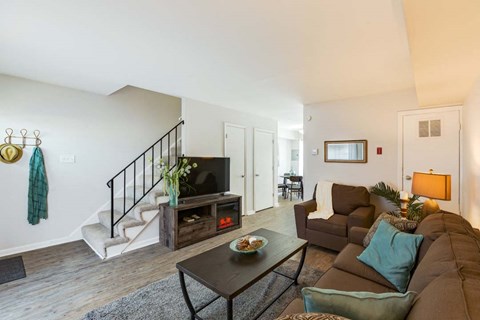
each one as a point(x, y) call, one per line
point(433, 186)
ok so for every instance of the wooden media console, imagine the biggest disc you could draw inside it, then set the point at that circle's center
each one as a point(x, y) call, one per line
point(199, 219)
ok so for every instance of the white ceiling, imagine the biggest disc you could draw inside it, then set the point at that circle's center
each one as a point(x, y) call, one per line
point(445, 49)
point(267, 57)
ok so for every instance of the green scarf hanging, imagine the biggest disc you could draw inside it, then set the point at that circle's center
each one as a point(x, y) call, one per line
point(37, 189)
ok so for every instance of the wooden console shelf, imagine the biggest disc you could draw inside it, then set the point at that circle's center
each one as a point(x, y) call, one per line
point(215, 215)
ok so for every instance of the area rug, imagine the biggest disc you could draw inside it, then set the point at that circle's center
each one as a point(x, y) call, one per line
point(164, 300)
point(11, 269)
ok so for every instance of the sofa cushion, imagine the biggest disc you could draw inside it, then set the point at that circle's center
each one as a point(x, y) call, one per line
point(399, 223)
point(454, 295)
point(347, 261)
point(348, 198)
point(435, 225)
point(341, 280)
point(358, 305)
point(336, 224)
point(392, 253)
point(450, 251)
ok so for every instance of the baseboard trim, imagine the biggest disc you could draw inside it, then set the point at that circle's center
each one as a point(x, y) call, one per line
point(36, 246)
point(250, 212)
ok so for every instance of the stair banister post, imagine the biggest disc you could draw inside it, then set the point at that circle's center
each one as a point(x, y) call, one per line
point(111, 207)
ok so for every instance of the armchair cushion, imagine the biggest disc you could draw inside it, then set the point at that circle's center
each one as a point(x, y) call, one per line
point(336, 224)
point(348, 198)
point(361, 217)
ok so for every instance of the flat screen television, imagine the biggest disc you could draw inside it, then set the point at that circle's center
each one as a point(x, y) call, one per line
point(211, 176)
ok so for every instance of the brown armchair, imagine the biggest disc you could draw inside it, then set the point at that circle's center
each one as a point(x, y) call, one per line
point(352, 208)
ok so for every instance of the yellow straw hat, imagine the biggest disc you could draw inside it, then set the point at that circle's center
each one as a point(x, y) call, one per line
point(10, 153)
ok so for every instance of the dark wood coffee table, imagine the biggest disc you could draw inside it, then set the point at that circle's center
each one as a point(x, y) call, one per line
point(229, 273)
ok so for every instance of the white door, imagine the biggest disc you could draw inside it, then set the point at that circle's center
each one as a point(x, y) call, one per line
point(235, 150)
point(263, 151)
point(431, 140)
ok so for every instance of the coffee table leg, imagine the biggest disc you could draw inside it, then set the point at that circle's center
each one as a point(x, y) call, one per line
point(300, 266)
point(229, 309)
point(185, 295)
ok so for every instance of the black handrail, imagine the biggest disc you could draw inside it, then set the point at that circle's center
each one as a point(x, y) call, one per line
point(145, 191)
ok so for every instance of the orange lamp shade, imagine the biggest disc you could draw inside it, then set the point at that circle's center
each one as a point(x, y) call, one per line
point(432, 185)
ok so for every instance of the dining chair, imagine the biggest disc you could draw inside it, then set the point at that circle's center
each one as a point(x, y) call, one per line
point(295, 186)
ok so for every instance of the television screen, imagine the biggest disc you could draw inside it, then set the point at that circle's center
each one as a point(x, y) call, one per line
point(211, 176)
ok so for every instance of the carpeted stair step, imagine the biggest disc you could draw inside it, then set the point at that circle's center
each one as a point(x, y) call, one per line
point(98, 237)
point(104, 217)
point(140, 209)
point(156, 197)
point(118, 203)
point(138, 191)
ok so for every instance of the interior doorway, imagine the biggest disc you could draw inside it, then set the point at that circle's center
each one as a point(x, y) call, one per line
point(235, 149)
point(430, 139)
point(263, 168)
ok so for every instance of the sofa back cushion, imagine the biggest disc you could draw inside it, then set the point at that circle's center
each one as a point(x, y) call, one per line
point(449, 252)
point(437, 224)
point(454, 295)
point(348, 198)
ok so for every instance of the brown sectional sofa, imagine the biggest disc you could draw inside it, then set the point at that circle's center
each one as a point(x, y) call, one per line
point(446, 277)
point(352, 208)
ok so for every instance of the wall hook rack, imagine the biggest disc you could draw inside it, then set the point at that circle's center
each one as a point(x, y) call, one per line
point(23, 139)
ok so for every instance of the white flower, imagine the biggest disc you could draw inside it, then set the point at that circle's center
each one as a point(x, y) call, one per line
point(194, 165)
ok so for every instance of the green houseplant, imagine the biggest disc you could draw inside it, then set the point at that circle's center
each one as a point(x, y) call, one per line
point(414, 207)
point(173, 176)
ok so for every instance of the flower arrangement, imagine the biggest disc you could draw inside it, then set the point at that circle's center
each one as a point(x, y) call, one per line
point(173, 176)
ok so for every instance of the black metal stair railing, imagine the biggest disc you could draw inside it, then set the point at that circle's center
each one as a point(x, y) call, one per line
point(131, 169)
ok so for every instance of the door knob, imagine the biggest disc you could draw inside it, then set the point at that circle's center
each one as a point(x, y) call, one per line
point(257, 175)
point(243, 176)
point(408, 177)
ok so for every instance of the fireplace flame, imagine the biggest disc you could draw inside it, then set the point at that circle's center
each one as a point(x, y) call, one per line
point(225, 222)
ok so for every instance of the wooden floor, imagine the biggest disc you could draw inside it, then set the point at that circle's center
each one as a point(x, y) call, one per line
point(66, 281)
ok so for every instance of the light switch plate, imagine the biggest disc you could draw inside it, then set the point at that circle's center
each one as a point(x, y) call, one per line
point(67, 158)
point(314, 152)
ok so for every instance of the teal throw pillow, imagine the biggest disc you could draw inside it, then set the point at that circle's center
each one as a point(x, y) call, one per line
point(392, 253)
point(358, 305)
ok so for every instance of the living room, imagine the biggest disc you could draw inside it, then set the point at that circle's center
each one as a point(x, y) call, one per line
point(103, 81)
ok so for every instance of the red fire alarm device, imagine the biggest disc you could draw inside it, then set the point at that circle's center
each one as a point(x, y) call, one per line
point(379, 150)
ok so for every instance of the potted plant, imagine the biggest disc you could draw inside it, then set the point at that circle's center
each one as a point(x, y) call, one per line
point(414, 207)
point(173, 176)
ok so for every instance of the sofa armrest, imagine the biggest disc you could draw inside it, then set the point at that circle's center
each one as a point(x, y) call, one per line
point(302, 211)
point(356, 235)
point(361, 217)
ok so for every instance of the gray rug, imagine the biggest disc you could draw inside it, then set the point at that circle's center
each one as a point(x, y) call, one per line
point(11, 269)
point(163, 299)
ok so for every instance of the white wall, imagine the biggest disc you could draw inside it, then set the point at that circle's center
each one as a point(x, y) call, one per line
point(204, 131)
point(471, 157)
point(284, 156)
point(373, 118)
point(103, 132)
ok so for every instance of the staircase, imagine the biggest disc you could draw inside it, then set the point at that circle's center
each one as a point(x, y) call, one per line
point(135, 193)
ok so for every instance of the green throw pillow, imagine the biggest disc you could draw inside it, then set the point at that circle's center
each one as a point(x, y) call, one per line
point(392, 253)
point(358, 305)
